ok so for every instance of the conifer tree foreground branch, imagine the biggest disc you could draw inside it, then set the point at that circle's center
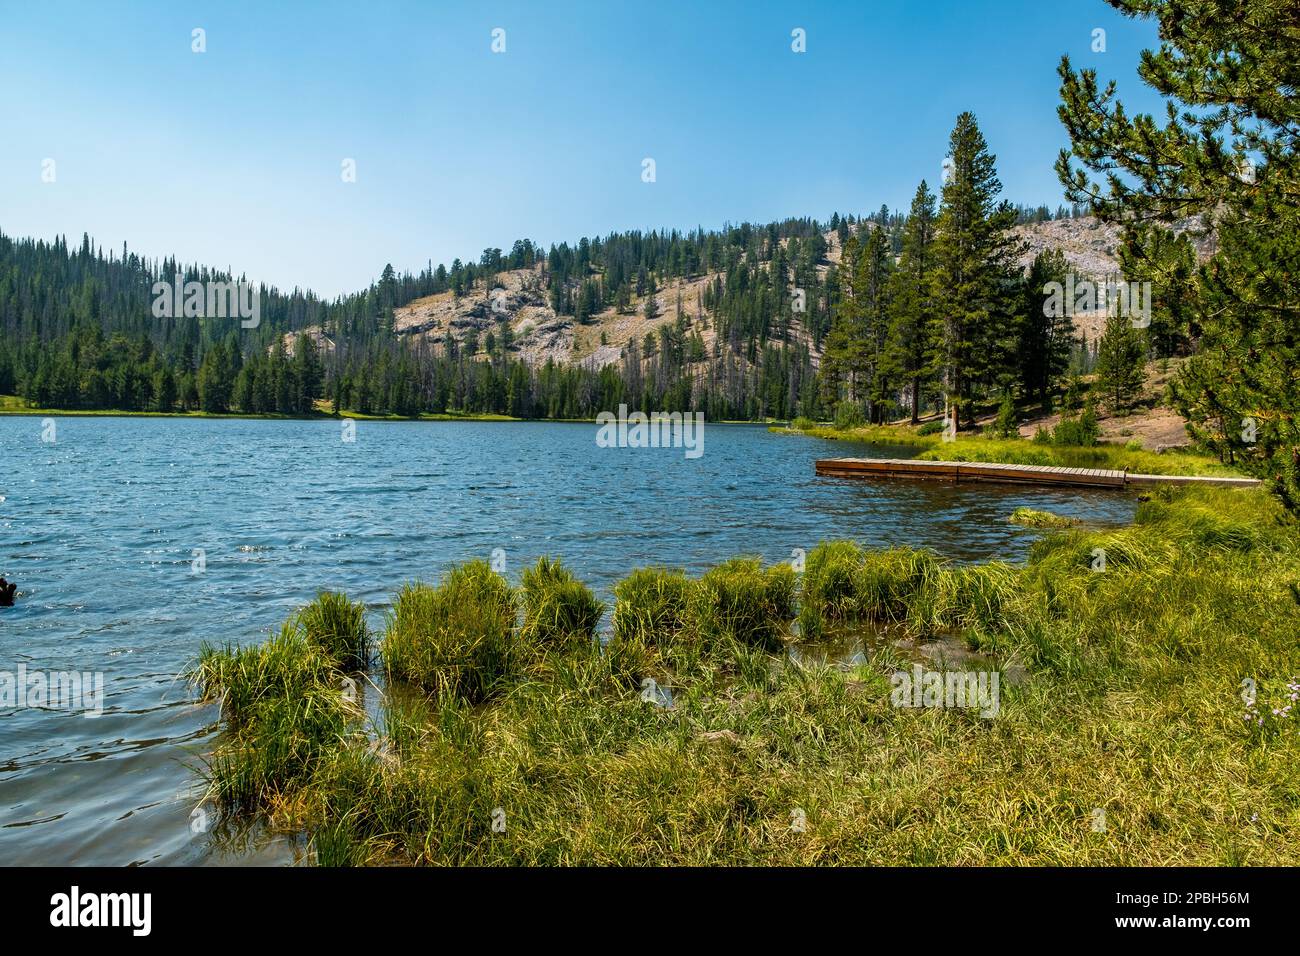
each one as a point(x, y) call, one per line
point(1225, 151)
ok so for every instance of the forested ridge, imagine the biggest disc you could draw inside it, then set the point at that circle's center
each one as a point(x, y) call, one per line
point(77, 330)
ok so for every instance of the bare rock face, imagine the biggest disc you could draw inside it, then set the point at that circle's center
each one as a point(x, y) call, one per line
point(1090, 246)
point(324, 344)
point(602, 356)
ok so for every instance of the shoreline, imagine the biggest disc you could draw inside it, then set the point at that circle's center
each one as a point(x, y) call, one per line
point(11, 411)
point(977, 448)
point(702, 707)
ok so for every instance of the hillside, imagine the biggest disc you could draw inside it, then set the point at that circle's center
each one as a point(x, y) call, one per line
point(539, 334)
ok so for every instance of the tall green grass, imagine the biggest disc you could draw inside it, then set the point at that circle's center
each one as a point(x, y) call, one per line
point(740, 600)
point(287, 665)
point(558, 608)
point(338, 627)
point(651, 607)
point(275, 752)
point(456, 638)
point(284, 705)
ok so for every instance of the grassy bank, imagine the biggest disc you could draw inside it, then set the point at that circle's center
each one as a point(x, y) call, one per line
point(517, 740)
point(1019, 451)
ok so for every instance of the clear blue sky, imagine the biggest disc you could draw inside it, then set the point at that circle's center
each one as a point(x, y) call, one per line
point(232, 157)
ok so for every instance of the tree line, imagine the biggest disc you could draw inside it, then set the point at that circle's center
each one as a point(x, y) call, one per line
point(935, 312)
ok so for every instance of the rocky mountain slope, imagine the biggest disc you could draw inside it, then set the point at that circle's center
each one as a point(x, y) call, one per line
point(519, 298)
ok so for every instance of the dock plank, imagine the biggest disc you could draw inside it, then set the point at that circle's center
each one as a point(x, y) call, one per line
point(974, 471)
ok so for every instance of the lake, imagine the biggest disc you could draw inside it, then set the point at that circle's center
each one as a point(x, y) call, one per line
point(133, 540)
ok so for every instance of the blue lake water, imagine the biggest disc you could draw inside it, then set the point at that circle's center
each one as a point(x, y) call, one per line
point(102, 528)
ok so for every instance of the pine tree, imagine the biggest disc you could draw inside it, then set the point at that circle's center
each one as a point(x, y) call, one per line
point(838, 368)
point(1226, 151)
point(911, 342)
point(975, 275)
point(1154, 254)
point(1046, 333)
point(1121, 362)
point(874, 268)
point(651, 303)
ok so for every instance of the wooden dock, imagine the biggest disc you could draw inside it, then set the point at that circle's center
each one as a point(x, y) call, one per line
point(968, 471)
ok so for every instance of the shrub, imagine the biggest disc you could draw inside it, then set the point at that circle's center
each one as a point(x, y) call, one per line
point(338, 627)
point(558, 608)
point(803, 424)
point(848, 415)
point(1082, 431)
point(931, 428)
point(740, 600)
point(1005, 425)
point(650, 607)
point(457, 638)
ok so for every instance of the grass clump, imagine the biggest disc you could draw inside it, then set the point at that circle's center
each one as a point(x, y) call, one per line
point(892, 584)
point(287, 665)
point(843, 582)
point(558, 608)
point(977, 599)
point(1031, 518)
point(455, 639)
point(829, 590)
point(284, 706)
point(650, 607)
point(338, 627)
point(274, 754)
point(742, 601)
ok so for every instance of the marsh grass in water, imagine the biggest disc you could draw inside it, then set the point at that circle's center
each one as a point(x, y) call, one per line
point(650, 607)
point(338, 627)
point(1032, 518)
point(456, 638)
point(241, 678)
point(285, 709)
point(1131, 704)
point(742, 601)
point(558, 608)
